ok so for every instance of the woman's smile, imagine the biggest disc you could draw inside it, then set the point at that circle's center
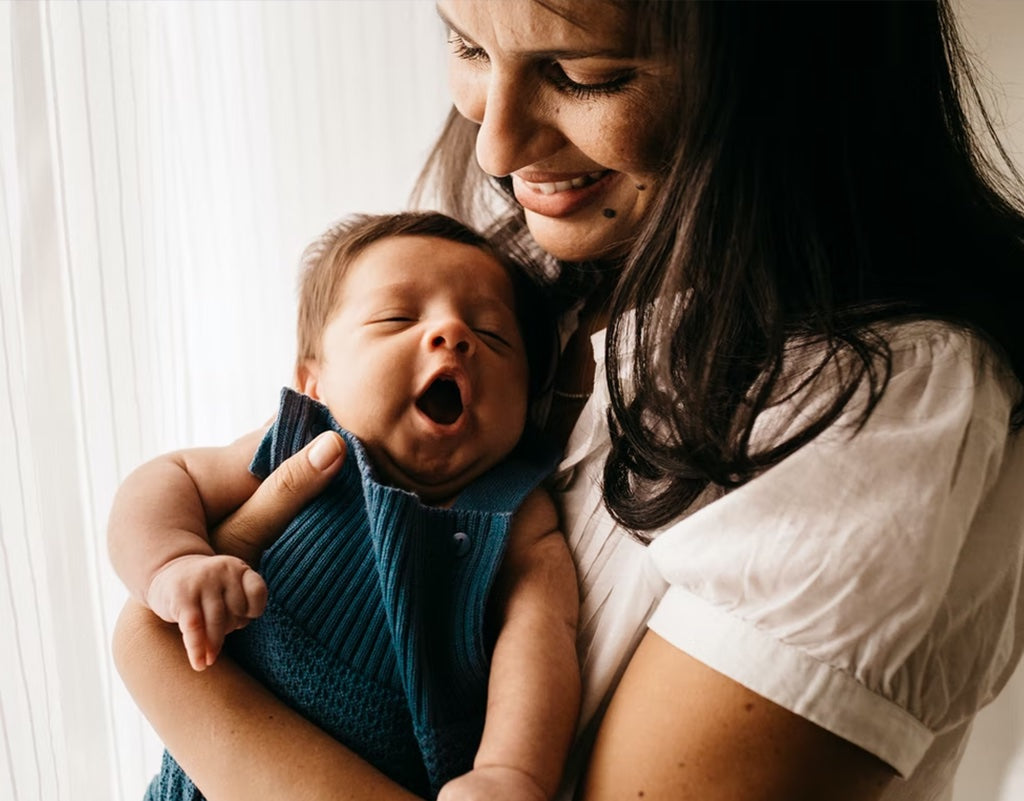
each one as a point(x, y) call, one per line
point(560, 198)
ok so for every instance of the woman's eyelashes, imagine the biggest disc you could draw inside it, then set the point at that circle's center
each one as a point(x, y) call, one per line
point(585, 90)
point(553, 71)
point(463, 50)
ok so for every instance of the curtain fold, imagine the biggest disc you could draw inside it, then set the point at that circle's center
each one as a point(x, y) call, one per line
point(162, 165)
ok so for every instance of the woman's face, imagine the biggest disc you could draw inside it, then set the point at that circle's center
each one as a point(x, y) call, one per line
point(568, 110)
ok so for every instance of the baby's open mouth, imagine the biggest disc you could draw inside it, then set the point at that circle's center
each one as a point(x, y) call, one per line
point(442, 401)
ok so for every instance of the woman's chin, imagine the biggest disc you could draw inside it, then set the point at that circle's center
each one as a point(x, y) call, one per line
point(581, 237)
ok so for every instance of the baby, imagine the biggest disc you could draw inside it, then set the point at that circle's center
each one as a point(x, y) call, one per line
point(429, 583)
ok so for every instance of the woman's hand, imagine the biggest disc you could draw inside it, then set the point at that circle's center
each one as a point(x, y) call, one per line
point(256, 524)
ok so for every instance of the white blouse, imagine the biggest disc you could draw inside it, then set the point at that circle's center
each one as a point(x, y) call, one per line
point(869, 583)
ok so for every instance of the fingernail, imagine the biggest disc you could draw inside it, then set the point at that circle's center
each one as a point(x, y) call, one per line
point(325, 451)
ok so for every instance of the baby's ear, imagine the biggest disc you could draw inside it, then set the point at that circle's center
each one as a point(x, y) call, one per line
point(307, 378)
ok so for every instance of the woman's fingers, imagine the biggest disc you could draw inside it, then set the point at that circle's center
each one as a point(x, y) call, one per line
point(254, 526)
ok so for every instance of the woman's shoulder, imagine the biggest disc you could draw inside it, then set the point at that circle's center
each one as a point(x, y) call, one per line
point(937, 367)
point(920, 342)
point(920, 369)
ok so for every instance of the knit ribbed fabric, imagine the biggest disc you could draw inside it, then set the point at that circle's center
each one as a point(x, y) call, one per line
point(375, 626)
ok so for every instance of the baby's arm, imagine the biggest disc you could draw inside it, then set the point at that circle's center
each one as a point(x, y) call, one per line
point(157, 536)
point(534, 687)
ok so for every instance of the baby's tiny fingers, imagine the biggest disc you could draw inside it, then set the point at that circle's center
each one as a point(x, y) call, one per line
point(243, 590)
point(193, 635)
point(216, 618)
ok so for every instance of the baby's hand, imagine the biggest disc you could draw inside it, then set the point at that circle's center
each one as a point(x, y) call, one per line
point(493, 783)
point(208, 597)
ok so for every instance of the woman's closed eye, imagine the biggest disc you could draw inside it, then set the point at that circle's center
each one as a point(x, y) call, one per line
point(463, 49)
point(570, 80)
point(586, 87)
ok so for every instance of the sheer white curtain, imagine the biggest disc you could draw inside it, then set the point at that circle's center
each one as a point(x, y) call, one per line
point(162, 164)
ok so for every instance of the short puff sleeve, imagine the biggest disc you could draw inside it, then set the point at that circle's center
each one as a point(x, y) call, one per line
point(871, 581)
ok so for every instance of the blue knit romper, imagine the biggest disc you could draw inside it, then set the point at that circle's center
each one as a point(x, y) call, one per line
point(375, 627)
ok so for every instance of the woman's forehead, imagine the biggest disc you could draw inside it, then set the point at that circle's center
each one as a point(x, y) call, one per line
point(598, 25)
point(587, 13)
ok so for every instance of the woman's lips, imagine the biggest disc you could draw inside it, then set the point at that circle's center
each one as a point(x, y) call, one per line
point(562, 195)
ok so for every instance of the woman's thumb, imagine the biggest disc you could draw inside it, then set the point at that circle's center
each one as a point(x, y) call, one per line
point(325, 450)
point(259, 521)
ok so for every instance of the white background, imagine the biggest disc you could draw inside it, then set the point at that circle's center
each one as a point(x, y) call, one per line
point(162, 164)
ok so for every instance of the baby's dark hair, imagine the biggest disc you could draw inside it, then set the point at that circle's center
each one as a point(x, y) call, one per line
point(325, 262)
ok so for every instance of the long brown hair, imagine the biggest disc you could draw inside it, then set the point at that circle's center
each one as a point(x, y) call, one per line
point(825, 180)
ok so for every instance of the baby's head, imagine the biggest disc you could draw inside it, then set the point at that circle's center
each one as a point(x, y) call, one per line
point(412, 330)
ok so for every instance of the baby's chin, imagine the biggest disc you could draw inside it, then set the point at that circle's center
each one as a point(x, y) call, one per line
point(437, 484)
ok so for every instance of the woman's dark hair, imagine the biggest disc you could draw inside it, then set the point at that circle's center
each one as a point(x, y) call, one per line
point(825, 180)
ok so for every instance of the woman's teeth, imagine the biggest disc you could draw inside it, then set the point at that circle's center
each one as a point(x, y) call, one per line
point(550, 187)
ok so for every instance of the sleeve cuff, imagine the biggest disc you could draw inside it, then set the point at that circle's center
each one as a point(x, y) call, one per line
point(794, 680)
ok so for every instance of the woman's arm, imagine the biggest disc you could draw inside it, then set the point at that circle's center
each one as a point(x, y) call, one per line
point(231, 735)
point(233, 738)
point(676, 729)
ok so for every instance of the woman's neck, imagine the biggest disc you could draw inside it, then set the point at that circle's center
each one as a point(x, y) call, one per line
point(574, 381)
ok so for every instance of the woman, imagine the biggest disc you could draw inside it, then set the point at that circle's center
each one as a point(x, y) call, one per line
point(793, 381)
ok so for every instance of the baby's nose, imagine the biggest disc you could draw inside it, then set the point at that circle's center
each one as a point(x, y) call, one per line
point(452, 334)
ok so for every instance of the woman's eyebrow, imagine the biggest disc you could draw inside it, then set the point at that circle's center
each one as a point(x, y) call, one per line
point(554, 55)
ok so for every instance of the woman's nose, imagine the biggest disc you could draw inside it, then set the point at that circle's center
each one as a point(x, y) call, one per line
point(451, 334)
point(516, 128)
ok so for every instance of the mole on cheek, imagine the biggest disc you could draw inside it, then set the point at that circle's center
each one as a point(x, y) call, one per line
point(609, 213)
